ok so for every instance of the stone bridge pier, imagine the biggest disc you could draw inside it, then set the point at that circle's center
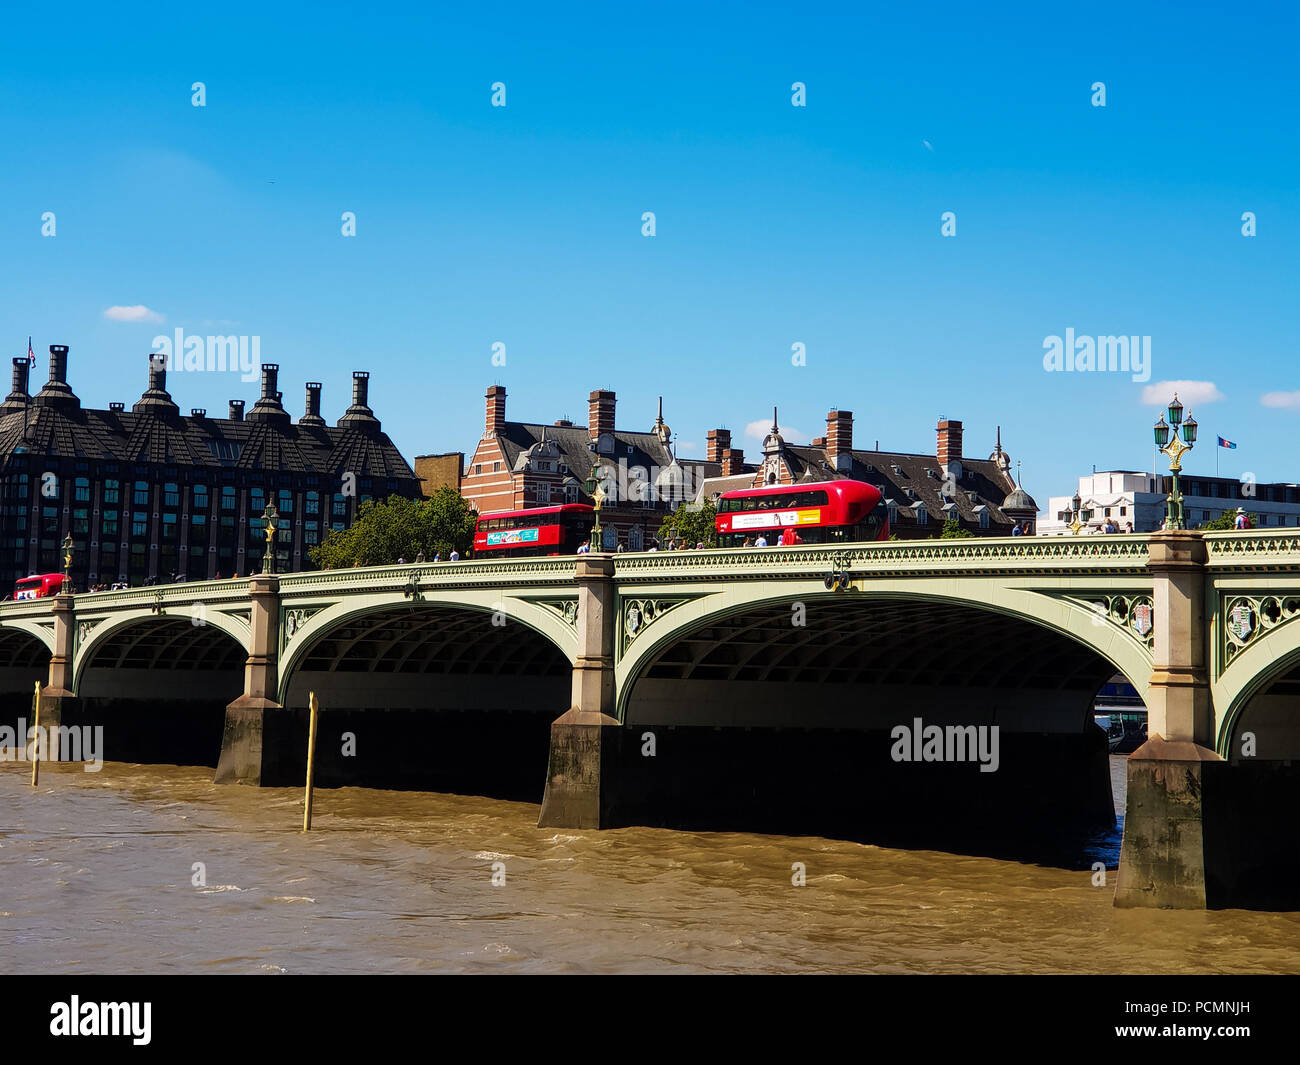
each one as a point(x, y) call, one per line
point(256, 730)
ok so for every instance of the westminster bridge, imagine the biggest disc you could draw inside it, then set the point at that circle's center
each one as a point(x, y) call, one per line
point(704, 687)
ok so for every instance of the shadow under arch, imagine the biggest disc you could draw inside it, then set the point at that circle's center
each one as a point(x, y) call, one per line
point(158, 685)
point(430, 695)
point(1252, 799)
point(24, 662)
point(778, 725)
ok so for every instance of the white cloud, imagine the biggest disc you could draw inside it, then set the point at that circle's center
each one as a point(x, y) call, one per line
point(1290, 400)
point(1190, 393)
point(138, 313)
point(759, 429)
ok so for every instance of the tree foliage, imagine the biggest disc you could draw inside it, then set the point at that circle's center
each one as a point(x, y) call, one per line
point(400, 528)
point(1227, 521)
point(952, 530)
point(691, 522)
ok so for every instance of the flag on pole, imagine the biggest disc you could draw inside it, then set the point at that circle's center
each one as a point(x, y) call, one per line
point(1226, 443)
point(31, 355)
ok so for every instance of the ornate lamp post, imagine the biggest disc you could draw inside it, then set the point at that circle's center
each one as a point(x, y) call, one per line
point(269, 517)
point(1169, 442)
point(1076, 522)
point(596, 490)
point(68, 546)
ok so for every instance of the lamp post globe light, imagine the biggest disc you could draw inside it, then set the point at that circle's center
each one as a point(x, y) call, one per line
point(1169, 442)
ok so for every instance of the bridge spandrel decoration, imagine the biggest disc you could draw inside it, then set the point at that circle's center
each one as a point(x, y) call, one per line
point(1247, 618)
point(640, 613)
point(1134, 615)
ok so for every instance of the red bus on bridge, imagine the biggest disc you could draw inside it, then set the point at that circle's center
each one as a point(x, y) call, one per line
point(824, 512)
point(39, 585)
point(540, 531)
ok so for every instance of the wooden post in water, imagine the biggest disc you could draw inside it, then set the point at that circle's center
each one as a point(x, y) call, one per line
point(311, 763)
point(36, 746)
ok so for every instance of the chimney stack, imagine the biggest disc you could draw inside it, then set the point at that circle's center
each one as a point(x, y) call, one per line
point(236, 410)
point(311, 414)
point(157, 372)
point(18, 397)
point(270, 375)
point(839, 440)
point(733, 462)
point(56, 392)
point(719, 444)
point(155, 400)
point(495, 420)
point(268, 407)
point(117, 407)
point(949, 442)
point(59, 363)
point(359, 415)
point(198, 412)
point(600, 413)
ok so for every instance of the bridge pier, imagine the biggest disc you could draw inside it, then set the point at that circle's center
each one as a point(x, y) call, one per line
point(585, 739)
point(1165, 858)
point(58, 700)
point(257, 727)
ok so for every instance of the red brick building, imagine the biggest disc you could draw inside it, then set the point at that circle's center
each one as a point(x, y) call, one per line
point(517, 465)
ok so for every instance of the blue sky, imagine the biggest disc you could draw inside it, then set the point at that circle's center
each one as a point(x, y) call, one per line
point(775, 224)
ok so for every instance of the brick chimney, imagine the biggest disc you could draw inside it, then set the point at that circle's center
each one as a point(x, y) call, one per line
point(719, 444)
point(949, 442)
point(733, 462)
point(600, 413)
point(496, 409)
point(839, 440)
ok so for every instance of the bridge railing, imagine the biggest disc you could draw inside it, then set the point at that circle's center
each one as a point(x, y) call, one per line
point(1042, 554)
point(1253, 549)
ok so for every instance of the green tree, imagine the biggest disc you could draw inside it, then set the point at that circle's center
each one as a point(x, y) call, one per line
point(1227, 521)
point(400, 528)
point(691, 522)
point(952, 530)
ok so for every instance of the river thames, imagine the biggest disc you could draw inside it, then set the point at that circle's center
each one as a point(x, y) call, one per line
point(153, 869)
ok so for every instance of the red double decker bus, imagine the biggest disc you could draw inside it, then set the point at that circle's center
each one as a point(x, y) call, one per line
point(824, 512)
point(39, 585)
point(541, 531)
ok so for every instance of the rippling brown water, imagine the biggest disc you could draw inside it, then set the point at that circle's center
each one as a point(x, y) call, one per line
point(96, 870)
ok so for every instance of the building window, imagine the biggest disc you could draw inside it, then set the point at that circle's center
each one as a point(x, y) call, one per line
point(339, 508)
point(49, 521)
point(984, 519)
point(285, 503)
point(108, 526)
point(171, 495)
point(922, 516)
point(312, 503)
point(141, 493)
point(478, 469)
point(82, 493)
point(227, 499)
point(139, 524)
point(496, 467)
